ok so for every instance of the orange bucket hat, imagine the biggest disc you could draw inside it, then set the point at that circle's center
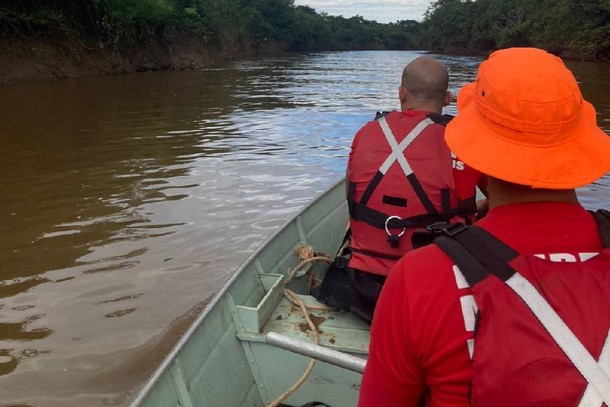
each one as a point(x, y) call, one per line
point(525, 121)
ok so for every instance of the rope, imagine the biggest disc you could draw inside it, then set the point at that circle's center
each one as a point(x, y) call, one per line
point(307, 255)
point(292, 297)
point(310, 280)
point(303, 263)
point(344, 246)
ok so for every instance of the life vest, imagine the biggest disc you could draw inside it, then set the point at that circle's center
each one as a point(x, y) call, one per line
point(400, 178)
point(539, 341)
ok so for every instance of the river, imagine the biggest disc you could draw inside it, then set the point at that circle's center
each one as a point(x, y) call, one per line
point(127, 201)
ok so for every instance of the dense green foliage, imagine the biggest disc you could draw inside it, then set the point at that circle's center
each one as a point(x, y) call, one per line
point(227, 23)
point(573, 28)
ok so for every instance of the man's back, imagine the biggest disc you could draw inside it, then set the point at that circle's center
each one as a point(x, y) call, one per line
point(431, 321)
point(399, 178)
point(429, 161)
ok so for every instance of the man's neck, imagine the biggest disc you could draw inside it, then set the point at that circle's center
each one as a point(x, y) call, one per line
point(503, 193)
point(422, 107)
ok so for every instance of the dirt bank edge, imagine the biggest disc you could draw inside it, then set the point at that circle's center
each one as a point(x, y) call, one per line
point(43, 58)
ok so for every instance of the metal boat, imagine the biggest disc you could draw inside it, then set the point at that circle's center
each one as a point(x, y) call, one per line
point(264, 340)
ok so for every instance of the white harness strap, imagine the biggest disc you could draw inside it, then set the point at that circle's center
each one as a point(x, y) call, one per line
point(596, 374)
point(591, 398)
point(397, 149)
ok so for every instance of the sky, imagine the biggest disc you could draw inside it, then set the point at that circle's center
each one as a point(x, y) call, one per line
point(383, 11)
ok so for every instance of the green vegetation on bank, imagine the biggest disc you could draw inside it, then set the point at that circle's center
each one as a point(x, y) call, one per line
point(571, 28)
point(229, 24)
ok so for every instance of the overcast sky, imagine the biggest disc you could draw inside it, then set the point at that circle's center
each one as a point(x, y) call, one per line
point(383, 11)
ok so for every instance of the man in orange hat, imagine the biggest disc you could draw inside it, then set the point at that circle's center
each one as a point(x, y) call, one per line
point(514, 310)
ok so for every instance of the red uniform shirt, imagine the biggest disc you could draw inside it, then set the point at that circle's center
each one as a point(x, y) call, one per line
point(422, 333)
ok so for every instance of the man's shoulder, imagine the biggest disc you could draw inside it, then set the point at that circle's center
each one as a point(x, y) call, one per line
point(389, 114)
point(422, 278)
point(427, 255)
point(426, 265)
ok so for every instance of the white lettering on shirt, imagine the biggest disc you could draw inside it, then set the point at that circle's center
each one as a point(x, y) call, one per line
point(562, 257)
point(586, 256)
point(455, 163)
point(469, 312)
point(566, 257)
point(470, 343)
point(459, 278)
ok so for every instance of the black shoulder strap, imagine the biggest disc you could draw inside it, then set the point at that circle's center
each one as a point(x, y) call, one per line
point(351, 190)
point(476, 252)
point(472, 270)
point(442, 119)
point(379, 115)
point(421, 194)
point(370, 188)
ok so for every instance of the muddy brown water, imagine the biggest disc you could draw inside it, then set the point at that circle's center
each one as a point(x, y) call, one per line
point(127, 201)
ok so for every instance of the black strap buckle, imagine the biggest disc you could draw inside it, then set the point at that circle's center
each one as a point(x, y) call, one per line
point(454, 228)
point(437, 227)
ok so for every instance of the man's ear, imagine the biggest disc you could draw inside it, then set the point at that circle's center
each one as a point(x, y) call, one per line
point(447, 100)
point(402, 94)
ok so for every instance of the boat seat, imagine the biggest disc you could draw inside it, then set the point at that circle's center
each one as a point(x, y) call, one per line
point(281, 350)
point(338, 330)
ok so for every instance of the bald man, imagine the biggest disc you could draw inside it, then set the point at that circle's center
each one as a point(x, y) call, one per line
point(424, 86)
point(401, 177)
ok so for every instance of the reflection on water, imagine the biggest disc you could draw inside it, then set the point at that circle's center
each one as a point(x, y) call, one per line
point(128, 201)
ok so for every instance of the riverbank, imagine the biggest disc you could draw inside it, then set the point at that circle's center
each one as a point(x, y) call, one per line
point(48, 57)
point(42, 58)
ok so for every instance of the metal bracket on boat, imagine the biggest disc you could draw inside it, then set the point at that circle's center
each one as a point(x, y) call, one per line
point(334, 357)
